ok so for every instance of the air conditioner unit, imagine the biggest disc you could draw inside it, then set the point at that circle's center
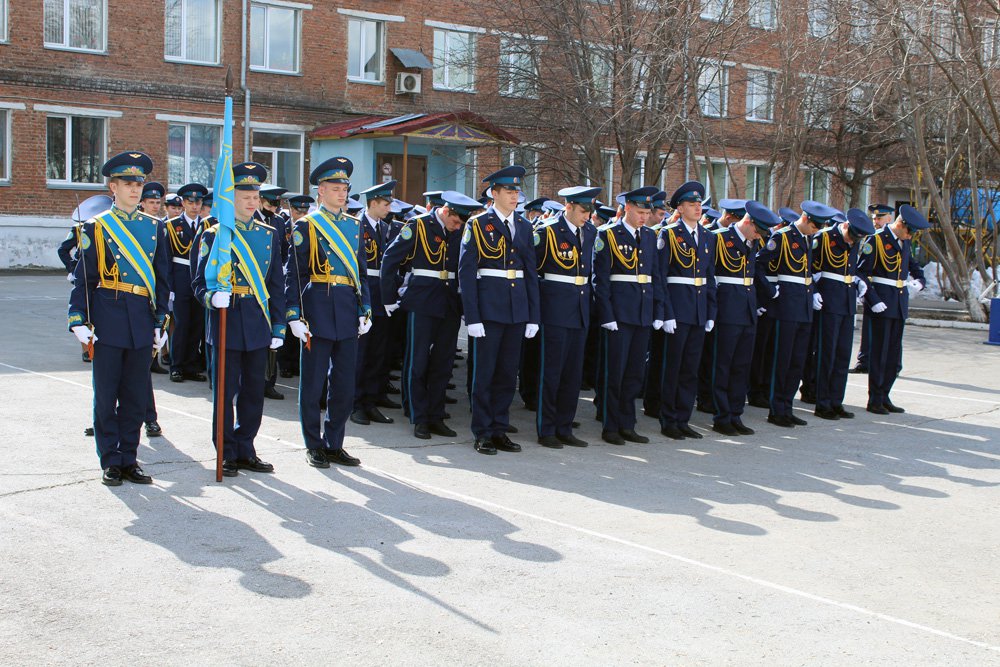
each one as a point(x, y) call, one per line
point(407, 82)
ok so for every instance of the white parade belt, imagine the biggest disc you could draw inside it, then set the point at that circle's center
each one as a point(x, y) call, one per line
point(641, 278)
point(785, 278)
point(678, 280)
point(826, 275)
point(726, 280)
point(439, 275)
point(374, 273)
point(509, 274)
point(181, 260)
point(888, 281)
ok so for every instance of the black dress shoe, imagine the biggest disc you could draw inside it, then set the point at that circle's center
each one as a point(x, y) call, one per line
point(877, 409)
point(375, 415)
point(826, 413)
point(89, 431)
point(550, 441)
point(271, 392)
point(504, 444)
point(153, 430)
point(672, 432)
point(780, 420)
point(390, 388)
point(135, 474)
point(394, 376)
point(176, 376)
point(440, 428)
point(285, 373)
point(895, 409)
point(741, 429)
point(612, 438)
point(316, 458)
point(387, 403)
point(197, 376)
point(511, 428)
point(703, 407)
point(575, 424)
point(451, 385)
point(842, 413)
point(859, 369)
point(572, 440)
point(341, 457)
point(157, 369)
point(809, 399)
point(724, 428)
point(112, 476)
point(421, 431)
point(230, 469)
point(652, 414)
point(689, 432)
point(485, 446)
point(629, 435)
point(797, 421)
point(254, 465)
point(758, 402)
point(531, 406)
point(586, 386)
point(360, 417)
point(449, 400)
point(86, 358)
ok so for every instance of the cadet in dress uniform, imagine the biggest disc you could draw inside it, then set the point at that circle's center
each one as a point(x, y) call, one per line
point(152, 205)
point(533, 209)
point(288, 354)
point(881, 215)
point(654, 358)
point(499, 287)
point(271, 214)
point(628, 301)
point(254, 323)
point(787, 258)
point(323, 283)
point(152, 200)
point(885, 263)
point(835, 258)
point(531, 349)
point(189, 314)
point(118, 304)
point(173, 205)
point(739, 284)
point(373, 349)
point(564, 250)
point(427, 248)
point(70, 249)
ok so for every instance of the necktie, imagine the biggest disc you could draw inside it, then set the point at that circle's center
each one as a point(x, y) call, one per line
point(510, 226)
point(579, 237)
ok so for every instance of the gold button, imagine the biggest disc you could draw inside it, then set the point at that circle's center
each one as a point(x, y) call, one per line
point(118, 256)
point(512, 284)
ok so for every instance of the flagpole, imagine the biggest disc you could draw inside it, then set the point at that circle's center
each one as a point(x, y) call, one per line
point(220, 352)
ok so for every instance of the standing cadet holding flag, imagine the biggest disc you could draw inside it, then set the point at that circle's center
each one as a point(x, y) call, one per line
point(118, 304)
point(322, 283)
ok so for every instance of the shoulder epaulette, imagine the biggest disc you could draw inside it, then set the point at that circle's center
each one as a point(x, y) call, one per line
point(672, 225)
point(477, 216)
point(782, 230)
point(547, 223)
point(148, 216)
point(265, 225)
point(720, 230)
point(355, 219)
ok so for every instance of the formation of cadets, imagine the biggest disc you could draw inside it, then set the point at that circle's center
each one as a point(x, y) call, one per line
point(693, 309)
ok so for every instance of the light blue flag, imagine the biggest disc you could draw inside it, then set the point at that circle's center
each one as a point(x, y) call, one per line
point(219, 272)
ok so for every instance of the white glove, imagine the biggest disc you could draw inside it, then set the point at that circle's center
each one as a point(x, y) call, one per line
point(276, 343)
point(221, 299)
point(761, 311)
point(862, 289)
point(69, 277)
point(879, 307)
point(670, 326)
point(817, 301)
point(477, 330)
point(159, 338)
point(530, 330)
point(777, 291)
point(83, 334)
point(170, 302)
point(657, 325)
point(709, 325)
point(610, 326)
point(300, 330)
point(915, 284)
point(364, 325)
point(391, 308)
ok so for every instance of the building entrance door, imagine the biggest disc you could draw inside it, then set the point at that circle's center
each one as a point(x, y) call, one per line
point(390, 166)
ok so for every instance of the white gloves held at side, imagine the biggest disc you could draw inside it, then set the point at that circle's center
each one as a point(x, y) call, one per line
point(221, 299)
point(300, 330)
point(276, 343)
point(709, 325)
point(817, 301)
point(777, 291)
point(879, 307)
point(610, 326)
point(915, 284)
point(670, 326)
point(530, 330)
point(83, 334)
point(862, 289)
point(364, 325)
point(477, 330)
point(159, 338)
point(391, 308)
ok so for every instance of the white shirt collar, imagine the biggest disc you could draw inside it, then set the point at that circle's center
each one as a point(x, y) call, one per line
point(633, 231)
point(889, 227)
point(736, 228)
point(190, 221)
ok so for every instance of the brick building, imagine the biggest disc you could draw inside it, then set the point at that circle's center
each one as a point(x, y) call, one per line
point(376, 80)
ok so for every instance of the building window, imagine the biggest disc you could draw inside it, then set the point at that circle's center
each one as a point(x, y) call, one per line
point(192, 31)
point(759, 184)
point(991, 43)
point(3, 20)
point(712, 85)
point(760, 95)
point(817, 186)
point(471, 172)
point(454, 60)
point(715, 10)
point(820, 18)
point(5, 151)
point(365, 50)
point(607, 179)
point(75, 24)
point(715, 176)
point(74, 150)
point(764, 14)
point(281, 153)
point(638, 172)
point(527, 157)
point(862, 21)
point(192, 152)
point(518, 68)
point(274, 38)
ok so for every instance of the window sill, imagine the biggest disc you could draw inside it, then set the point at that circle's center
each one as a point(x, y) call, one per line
point(366, 82)
point(514, 96)
point(765, 121)
point(181, 61)
point(443, 89)
point(5, 183)
point(71, 49)
point(281, 72)
point(63, 185)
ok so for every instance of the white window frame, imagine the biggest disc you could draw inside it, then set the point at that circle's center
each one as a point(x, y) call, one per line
point(64, 45)
point(815, 8)
point(808, 184)
point(380, 25)
point(7, 111)
point(4, 12)
point(470, 175)
point(751, 107)
point(721, 80)
point(641, 159)
point(297, 8)
point(752, 15)
point(532, 169)
point(990, 35)
point(755, 166)
point(866, 189)
point(254, 148)
point(862, 24)
point(183, 58)
point(716, 10)
point(68, 119)
point(711, 191)
point(471, 32)
point(187, 123)
point(506, 56)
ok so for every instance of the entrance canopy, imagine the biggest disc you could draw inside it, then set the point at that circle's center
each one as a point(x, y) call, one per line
point(462, 126)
